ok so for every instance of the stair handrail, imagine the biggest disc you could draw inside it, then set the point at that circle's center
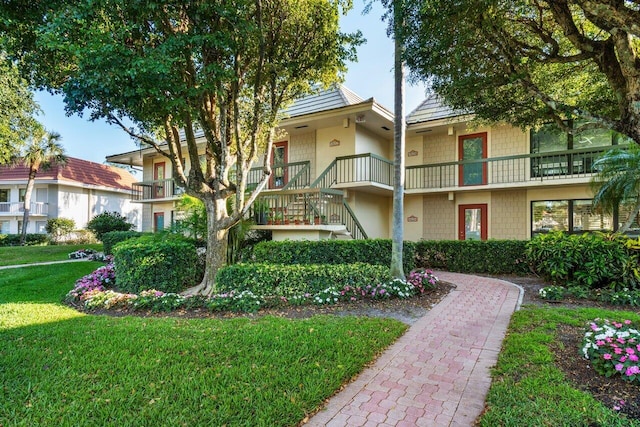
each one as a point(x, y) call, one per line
point(296, 177)
point(352, 224)
point(320, 180)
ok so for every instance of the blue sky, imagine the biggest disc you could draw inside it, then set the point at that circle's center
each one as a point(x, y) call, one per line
point(371, 76)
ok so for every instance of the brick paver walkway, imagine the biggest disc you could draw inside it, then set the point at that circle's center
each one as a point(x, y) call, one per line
point(437, 374)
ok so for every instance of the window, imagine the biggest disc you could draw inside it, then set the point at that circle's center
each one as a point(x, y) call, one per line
point(4, 195)
point(21, 194)
point(4, 227)
point(41, 227)
point(278, 163)
point(553, 146)
point(574, 216)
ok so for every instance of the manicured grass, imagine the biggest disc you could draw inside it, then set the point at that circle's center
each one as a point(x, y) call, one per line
point(15, 255)
point(60, 367)
point(529, 390)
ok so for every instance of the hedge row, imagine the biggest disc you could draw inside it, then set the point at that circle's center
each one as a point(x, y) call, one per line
point(473, 256)
point(110, 239)
point(30, 239)
point(297, 280)
point(372, 251)
point(165, 262)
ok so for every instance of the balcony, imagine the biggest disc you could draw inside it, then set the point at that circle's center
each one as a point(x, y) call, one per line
point(149, 191)
point(526, 170)
point(17, 208)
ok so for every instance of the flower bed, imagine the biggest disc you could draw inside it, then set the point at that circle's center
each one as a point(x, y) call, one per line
point(95, 291)
point(613, 348)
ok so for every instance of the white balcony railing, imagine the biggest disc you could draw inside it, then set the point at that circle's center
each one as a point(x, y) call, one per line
point(17, 208)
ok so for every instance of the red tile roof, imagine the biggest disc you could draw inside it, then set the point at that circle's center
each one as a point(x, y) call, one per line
point(76, 170)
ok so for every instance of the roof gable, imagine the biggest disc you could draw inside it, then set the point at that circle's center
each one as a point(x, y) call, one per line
point(432, 108)
point(337, 96)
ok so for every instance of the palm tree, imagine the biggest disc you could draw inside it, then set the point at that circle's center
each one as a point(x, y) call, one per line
point(617, 181)
point(41, 153)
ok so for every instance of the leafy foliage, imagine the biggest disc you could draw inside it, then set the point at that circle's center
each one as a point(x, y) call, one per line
point(59, 227)
point(613, 348)
point(30, 239)
point(166, 262)
point(473, 256)
point(295, 280)
point(590, 260)
point(108, 221)
point(372, 251)
point(111, 238)
point(528, 62)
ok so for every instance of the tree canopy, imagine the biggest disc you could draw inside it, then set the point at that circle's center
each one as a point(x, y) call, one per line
point(531, 61)
point(225, 69)
point(17, 111)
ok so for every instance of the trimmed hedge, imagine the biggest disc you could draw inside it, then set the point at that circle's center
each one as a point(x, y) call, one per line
point(165, 262)
point(110, 239)
point(474, 256)
point(371, 251)
point(30, 239)
point(296, 280)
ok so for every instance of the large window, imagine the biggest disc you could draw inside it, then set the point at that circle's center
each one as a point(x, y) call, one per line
point(562, 153)
point(573, 216)
point(4, 227)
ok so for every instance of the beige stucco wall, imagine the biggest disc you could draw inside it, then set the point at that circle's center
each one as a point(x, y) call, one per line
point(509, 215)
point(325, 153)
point(302, 148)
point(439, 218)
point(368, 142)
point(439, 148)
point(413, 208)
point(373, 213)
point(506, 140)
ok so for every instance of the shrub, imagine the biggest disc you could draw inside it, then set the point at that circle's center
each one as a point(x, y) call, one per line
point(613, 348)
point(266, 280)
point(59, 227)
point(30, 239)
point(111, 238)
point(473, 256)
point(552, 293)
point(102, 278)
point(371, 251)
point(167, 262)
point(590, 260)
point(108, 221)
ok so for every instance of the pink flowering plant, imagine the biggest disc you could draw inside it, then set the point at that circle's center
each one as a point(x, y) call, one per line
point(422, 279)
point(613, 348)
point(101, 279)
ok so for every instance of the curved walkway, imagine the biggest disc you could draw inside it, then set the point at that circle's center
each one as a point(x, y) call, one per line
point(438, 373)
point(5, 267)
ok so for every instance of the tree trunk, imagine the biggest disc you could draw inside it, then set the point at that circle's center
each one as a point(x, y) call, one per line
point(216, 247)
point(397, 270)
point(27, 204)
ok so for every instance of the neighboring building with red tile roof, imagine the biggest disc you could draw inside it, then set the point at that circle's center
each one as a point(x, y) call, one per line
point(78, 190)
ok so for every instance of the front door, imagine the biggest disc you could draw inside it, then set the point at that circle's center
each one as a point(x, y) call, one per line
point(278, 161)
point(472, 222)
point(158, 221)
point(473, 147)
point(158, 176)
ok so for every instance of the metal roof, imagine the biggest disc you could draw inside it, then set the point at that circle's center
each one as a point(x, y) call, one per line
point(430, 109)
point(336, 96)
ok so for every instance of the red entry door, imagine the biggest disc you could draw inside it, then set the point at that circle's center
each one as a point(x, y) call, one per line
point(472, 222)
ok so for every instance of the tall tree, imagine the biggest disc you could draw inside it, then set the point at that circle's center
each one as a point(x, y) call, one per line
point(17, 111)
point(40, 154)
point(618, 181)
point(224, 69)
point(397, 270)
point(531, 61)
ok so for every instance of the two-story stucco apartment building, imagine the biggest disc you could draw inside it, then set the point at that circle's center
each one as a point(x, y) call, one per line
point(333, 171)
point(79, 191)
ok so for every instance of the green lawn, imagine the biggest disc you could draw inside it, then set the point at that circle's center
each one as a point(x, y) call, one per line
point(59, 367)
point(15, 255)
point(529, 390)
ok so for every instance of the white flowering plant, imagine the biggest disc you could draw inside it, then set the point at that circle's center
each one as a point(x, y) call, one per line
point(552, 293)
point(613, 348)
